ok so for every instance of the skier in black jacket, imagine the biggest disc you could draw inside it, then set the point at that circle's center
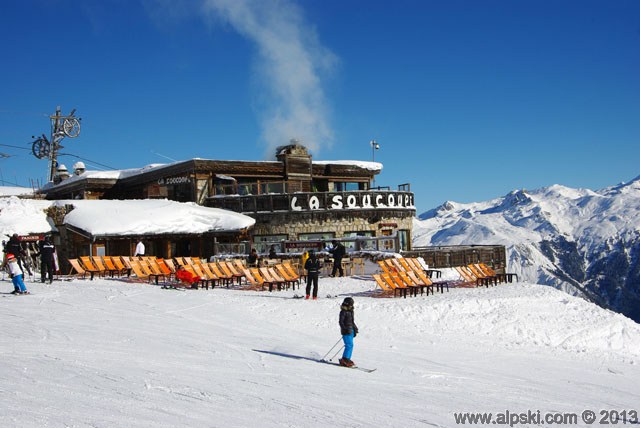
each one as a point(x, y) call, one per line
point(47, 262)
point(312, 266)
point(14, 246)
point(337, 251)
point(349, 330)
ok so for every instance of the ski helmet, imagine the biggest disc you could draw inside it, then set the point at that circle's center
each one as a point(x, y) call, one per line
point(348, 301)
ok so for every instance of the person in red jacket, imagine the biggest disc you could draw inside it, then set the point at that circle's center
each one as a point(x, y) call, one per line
point(187, 277)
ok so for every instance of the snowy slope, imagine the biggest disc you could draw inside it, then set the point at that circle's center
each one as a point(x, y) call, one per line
point(578, 240)
point(107, 353)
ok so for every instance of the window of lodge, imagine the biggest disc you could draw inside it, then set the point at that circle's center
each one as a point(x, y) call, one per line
point(262, 243)
point(348, 186)
point(351, 245)
point(320, 236)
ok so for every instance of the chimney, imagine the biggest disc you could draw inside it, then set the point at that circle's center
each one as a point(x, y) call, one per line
point(61, 174)
point(78, 168)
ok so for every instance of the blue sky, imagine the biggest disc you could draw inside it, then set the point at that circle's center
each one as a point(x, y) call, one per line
point(467, 99)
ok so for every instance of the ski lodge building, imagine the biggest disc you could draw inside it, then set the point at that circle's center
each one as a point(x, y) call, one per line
point(297, 202)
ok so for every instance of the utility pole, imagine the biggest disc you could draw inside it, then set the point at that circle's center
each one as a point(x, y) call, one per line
point(61, 127)
point(56, 137)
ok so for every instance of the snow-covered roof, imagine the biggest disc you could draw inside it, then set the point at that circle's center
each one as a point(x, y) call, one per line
point(24, 216)
point(371, 166)
point(150, 217)
point(126, 173)
point(109, 175)
point(15, 191)
point(119, 218)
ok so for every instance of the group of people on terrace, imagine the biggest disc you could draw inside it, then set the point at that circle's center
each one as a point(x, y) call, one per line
point(311, 264)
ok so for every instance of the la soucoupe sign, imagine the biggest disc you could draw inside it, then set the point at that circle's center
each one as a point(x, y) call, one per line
point(348, 201)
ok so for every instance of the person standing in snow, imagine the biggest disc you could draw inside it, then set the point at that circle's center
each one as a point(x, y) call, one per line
point(47, 261)
point(139, 249)
point(303, 260)
point(16, 274)
point(349, 330)
point(312, 266)
point(337, 251)
point(14, 246)
point(5, 266)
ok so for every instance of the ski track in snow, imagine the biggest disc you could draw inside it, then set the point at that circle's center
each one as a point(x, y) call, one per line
point(109, 353)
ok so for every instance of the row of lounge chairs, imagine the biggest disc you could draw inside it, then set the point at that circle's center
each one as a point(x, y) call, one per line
point(154, 268)
point(399, 276)
point(279, 276)
point(481, 274)
point(406, 276)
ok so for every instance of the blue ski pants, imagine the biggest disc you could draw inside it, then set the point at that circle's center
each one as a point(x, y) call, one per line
point(18, 283)
point(348, 345)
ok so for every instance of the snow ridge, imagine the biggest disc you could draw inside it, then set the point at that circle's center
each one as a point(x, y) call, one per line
point(582, 241)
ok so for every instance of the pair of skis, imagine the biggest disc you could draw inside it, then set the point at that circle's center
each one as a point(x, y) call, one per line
point(330, 360)
point(362, 369)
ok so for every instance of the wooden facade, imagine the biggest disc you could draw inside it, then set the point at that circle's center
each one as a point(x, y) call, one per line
point(292, 197)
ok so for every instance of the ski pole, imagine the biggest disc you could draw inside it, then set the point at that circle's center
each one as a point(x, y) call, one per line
point(325, 355)
point(334, 355)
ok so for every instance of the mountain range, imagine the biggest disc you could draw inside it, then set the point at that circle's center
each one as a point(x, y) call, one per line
point(582, 241)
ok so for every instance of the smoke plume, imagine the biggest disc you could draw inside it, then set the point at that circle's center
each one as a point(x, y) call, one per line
point(288, 67)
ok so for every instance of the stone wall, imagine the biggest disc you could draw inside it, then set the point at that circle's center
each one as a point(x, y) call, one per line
point(293, 224)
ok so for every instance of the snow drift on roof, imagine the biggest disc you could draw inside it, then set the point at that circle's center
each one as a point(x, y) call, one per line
point(150, 217)
point(109, 175)
point(125, 173)
point(15, 191)
point(24, 216)
point(371, 166)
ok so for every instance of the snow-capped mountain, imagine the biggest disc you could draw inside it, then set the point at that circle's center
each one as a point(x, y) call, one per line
point(582, 241)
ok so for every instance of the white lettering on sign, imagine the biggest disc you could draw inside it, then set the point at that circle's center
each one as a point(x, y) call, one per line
point(354, 200)
point(314, 203)
point(294, 206)
point(337, 202)
point(391, 200)
point(173, 180)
